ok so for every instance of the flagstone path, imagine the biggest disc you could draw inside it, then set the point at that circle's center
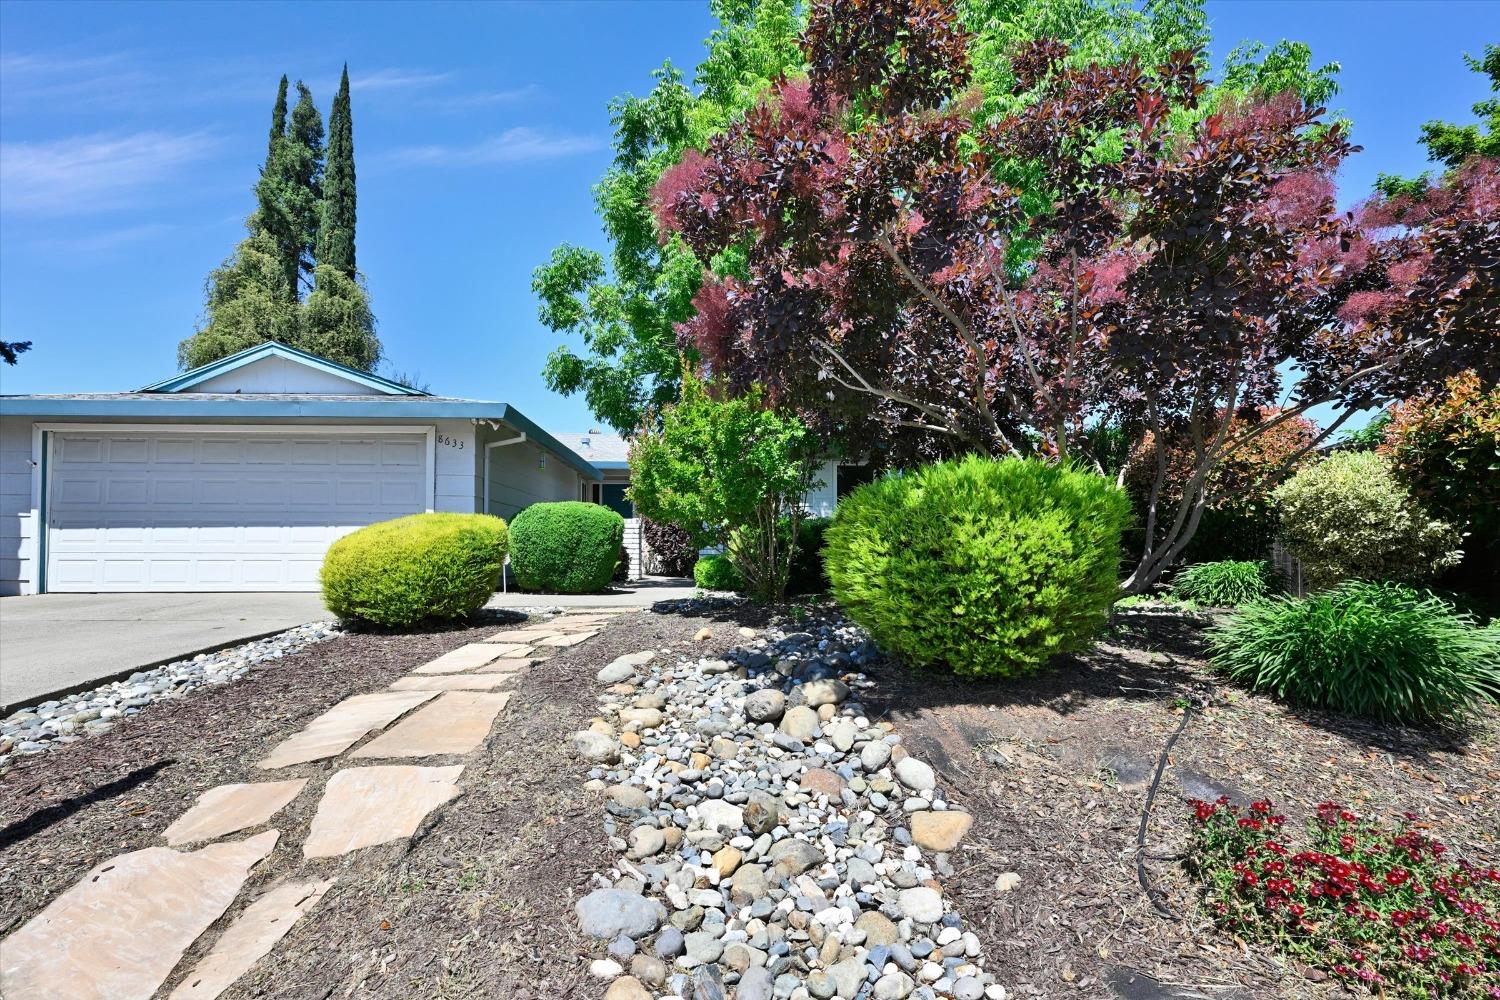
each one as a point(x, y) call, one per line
point(120, 932)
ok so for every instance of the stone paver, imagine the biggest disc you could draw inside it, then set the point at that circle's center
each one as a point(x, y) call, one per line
point(507, 666)
point(119, 932)
point(456, 723)
point(567, 640)
point(456, 661)
point(365, 806)
point(230, 808)
point(454, 682)
point(506, 648)
point(343, 725)
point(252, 935)
point(522, 635)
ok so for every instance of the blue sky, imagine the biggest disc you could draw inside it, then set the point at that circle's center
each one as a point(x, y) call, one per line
point(130, 135)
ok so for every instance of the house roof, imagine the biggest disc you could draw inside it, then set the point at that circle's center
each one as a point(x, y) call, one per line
point(604, 451)
point(276, 349)
point(170, 400)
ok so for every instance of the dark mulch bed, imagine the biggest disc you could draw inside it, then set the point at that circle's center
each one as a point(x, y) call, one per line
point(479, 904)
point(1055, 768)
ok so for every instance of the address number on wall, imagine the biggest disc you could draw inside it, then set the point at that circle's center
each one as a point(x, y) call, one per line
point(451, 442)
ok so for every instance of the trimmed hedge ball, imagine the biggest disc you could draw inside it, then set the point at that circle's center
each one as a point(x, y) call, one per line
point(984, 567)
point(569, 547)
point(397, 573)
point(717, 573)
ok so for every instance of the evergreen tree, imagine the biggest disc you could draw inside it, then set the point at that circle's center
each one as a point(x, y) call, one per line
point(336, 237)
point(293, 278)
point(278, 122)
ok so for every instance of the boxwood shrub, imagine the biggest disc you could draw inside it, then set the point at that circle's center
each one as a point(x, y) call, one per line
point(569, 547)
point(396, 573)
point(717, 573)
point(986, 568)
point(1382, 650)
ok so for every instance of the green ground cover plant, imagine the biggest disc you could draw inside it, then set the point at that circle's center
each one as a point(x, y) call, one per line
point(1382, 650)
point(984, 567)
point(400, 572)
point(569, 547)
point(1383, 908)
point(1226, 583)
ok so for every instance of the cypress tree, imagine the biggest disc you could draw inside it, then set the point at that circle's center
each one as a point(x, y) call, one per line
point(290, 192)
point(336, 237)
point(278, 122)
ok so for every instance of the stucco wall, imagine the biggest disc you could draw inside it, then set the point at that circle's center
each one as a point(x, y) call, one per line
point(524, 474)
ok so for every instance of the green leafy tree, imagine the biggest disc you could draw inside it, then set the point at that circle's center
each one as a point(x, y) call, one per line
point(1451, 144)
point(247, 302)
point(336, 232)
point(625, 307)
point(731, 472)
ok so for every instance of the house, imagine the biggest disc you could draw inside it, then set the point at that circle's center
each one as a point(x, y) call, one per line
point(239, 474)
point(609, 453)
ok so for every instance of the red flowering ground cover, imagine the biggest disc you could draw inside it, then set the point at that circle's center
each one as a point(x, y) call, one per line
point(1378, 906)
point(1055, 769)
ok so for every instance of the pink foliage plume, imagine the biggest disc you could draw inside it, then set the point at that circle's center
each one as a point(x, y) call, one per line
point(676, 184)
point(712, 328)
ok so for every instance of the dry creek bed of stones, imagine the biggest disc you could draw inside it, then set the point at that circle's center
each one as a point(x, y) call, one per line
point(774, 843)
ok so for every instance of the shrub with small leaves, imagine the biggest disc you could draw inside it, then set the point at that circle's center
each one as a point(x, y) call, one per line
point(397, 573)
point(1227, 583)
point(568, 547)
point(717, 573)
point(987, 568)
point(1383, 909)
point(1348, 517)
point(672, 550)
point(1381, 650)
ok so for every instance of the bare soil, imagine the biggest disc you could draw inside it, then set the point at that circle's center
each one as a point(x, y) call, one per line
point(479, 904)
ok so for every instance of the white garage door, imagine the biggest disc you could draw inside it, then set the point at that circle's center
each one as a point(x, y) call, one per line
point(177, 511)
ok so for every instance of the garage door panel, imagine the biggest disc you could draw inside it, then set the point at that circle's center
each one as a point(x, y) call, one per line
point(218, 511)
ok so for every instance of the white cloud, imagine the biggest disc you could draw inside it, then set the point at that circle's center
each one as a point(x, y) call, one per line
point(92, 173)
point(105, 240)
point(396, 79)
point(481, 99)
point(514, 145)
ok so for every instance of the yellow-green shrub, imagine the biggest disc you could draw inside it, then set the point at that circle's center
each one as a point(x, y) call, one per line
point(985, 567)
point(396, 573)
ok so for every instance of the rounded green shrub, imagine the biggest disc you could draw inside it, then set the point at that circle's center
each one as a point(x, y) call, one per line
point(396, 573)
point(716, 573)
point(569, 547)
point(985, 567)
point(1382, 650)
point(1349, 518)
point(1227, 583)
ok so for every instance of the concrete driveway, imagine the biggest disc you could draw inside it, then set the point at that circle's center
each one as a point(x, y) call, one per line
point(56, 643)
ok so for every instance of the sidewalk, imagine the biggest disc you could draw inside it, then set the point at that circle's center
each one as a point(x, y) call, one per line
point(634, 594)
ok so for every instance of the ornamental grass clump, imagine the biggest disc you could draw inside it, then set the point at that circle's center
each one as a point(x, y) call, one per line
point(569, 547)
point(983, 567)
point(1381, 650)
point(1381, 908)
point(1225, 584)
point(400, 572)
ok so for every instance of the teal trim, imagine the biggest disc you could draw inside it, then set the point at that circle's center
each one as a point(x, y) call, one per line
point(274, 348)
point(609, 465)
point(179, 408)
point(41, 517)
